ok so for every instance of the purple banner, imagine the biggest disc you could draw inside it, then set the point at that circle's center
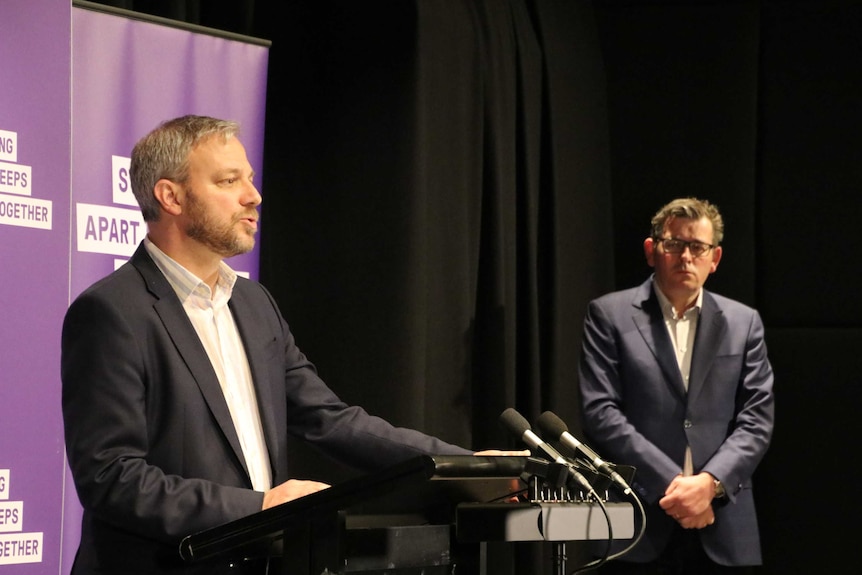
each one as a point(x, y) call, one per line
point(67, 217)
point(35, 76)
point(129, 75)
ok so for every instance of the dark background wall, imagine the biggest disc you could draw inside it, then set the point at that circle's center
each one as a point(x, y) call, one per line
point(448, 182)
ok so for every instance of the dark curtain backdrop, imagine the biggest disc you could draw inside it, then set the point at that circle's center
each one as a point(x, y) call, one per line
point(448, 182)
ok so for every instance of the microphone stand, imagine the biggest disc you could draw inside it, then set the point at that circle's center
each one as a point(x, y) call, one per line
point(543, 475)
point(559, 557)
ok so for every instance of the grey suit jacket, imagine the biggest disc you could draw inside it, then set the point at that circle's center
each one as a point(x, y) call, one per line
point(636, 410)
point(150, 441)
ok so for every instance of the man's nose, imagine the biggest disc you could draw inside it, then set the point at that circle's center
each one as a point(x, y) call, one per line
point(253, 196)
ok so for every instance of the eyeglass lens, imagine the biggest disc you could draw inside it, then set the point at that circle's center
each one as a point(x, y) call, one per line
point(675, 246)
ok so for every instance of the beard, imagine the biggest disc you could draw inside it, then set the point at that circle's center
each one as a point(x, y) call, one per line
point(222, 238)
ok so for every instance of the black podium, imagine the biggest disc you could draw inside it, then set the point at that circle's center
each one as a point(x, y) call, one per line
point(427, 515)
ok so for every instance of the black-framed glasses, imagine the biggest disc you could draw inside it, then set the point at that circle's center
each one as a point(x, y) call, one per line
point(675, 246)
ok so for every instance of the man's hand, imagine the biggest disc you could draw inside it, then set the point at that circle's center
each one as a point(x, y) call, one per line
point(290, 490)
point(689, 498)
point(522, 453)
point(705, 519)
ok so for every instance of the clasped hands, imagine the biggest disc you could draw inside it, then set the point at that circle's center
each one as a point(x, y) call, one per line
point(688, 499)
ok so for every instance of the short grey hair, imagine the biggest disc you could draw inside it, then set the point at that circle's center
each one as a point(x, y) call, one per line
point(164, 154)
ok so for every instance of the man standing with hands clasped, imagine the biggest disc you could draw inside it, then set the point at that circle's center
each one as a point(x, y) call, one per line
point(182, 381)
point(675, 381)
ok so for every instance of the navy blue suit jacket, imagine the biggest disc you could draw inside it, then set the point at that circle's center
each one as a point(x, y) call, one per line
point(637, 412)
point(151, 445)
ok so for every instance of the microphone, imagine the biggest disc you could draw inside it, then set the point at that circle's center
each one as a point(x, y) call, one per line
point(520, 427)
point(555, 427)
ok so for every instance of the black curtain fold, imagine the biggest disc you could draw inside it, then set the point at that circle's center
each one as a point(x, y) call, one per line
point(230, 15)
point(575, 229)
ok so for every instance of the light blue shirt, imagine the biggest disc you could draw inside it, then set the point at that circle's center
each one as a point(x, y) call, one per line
point(213, 321)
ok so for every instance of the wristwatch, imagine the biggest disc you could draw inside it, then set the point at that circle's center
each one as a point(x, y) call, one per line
point(719, 489)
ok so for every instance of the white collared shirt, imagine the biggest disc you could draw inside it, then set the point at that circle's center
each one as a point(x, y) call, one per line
point(213, 321)
point(682, 329)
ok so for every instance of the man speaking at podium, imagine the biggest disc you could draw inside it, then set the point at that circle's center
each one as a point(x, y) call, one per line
point(182, 381)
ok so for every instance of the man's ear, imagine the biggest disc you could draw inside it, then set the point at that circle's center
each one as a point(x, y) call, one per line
point(649, 251)
point(716, 257)
point(170, 195)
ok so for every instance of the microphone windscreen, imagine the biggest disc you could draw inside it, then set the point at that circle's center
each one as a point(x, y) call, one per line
point(552, 425)
point(514, 422)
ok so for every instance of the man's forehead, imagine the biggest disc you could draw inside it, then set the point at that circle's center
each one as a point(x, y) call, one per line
point(683, 222)
point(213, 141)
point(216, 149)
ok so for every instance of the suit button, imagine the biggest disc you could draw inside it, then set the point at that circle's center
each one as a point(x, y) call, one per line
point(687, 424)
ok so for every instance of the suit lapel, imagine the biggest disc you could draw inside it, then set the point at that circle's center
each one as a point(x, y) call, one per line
point(650, 322)
point(189, 346)
point(711, 328)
